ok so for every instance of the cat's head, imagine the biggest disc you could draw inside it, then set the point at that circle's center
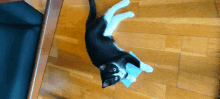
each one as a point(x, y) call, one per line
point(111, 73)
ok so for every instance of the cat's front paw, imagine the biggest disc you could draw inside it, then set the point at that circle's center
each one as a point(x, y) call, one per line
point(131, 78)
point(146, 68)
point(130, 14)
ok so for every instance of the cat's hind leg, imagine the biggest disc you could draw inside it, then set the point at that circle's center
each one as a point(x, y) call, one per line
point(115, 21)
point(110, 13)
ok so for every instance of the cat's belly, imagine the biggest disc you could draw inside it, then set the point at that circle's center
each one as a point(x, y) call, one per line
point(103, 53)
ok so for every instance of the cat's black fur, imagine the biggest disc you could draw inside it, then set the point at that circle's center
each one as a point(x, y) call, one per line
point(102, 50)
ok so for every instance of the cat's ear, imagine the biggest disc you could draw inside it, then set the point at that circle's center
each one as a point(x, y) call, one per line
point(105, 84)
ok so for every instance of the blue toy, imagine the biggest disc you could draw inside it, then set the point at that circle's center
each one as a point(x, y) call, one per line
point(132, 70)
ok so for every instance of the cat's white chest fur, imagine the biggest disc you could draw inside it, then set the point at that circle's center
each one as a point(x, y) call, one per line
point(121, 72)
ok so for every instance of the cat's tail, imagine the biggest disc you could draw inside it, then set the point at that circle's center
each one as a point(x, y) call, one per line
point(92, 13)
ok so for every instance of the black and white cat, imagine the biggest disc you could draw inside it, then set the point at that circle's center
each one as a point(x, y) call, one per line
point(102, 50)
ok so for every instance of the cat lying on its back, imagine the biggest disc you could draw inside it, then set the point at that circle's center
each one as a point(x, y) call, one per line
point(102, 50)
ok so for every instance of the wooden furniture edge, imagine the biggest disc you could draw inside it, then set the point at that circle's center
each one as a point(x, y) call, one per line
point(52, 11)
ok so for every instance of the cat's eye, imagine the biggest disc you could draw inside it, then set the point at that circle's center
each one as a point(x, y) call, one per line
point(116, 78)
point(114, 69)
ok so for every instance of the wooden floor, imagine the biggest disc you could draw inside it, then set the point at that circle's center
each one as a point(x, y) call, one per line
point(37, 4)
point(180, 39)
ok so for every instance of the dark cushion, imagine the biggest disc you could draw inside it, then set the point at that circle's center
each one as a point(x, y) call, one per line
point(20, 13)
point(18, 46)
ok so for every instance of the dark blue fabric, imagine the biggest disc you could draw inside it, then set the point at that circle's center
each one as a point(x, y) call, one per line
point(18, 45)
point(19, 13)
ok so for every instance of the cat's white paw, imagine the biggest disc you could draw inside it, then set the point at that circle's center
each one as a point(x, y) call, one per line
point(131, 14)
point(131, 78)
point(126, 2)
point(146, 67)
